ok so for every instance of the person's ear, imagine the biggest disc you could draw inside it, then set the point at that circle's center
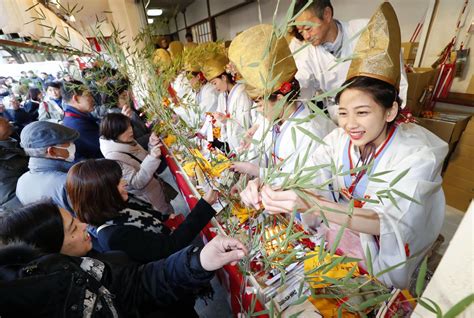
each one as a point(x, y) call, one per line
point(279, 97)
point(53, 152)
point(392, 113)
point(75, 98)
point(327, 14)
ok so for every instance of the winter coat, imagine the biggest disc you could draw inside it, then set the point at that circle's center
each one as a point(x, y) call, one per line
point(87, 146)
point(46, 179)
point(139, 233)
point(50, 110)
point(139, 170)
point(55, 285)
point(13, 163)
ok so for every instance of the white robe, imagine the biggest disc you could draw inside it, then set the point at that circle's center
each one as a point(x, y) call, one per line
point(238, 105)
point(283, 148)
point(319, 69)
point(207, 99)
point(414, 226)
point(307, 91)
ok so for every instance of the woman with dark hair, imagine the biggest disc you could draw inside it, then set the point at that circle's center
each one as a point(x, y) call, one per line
point(387, 194)
point(281, 133)
point(49, 267)
point(139, 168)
point(32, 103)
point(233, 104)
point(117, 99)
point(99, 197)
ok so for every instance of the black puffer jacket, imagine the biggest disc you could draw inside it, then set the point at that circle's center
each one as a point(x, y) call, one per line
point(13, 163)
point(55, 285)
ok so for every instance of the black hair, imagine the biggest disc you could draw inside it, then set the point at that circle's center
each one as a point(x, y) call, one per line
point(293, 94)
point(294, 32)
point(316, 6)
point(39, 224)
point(92, 189)
point(57, 85)
point(69, 89)
point(33, 94)
point(113, 125)
point(382, 92)
point(188, 34)
point(230, 78)
point(113, 89)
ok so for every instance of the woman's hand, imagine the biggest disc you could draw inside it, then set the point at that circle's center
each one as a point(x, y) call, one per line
point(220, 251)
point(250, 196)
point(221, 117)
point(245, 168)
point(211, 197)
point(247, 139)
point(278, 201)
point(127, 111)
point(154, 140)
point(156, 151)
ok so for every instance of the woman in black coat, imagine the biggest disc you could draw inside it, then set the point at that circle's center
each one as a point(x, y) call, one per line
point(99, 197)
point(46, 275)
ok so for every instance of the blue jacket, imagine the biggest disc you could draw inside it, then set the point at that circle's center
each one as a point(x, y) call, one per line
point(87, 146)
point(97, 286)
point(46, 179)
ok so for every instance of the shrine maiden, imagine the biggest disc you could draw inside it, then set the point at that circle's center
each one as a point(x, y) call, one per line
point(398, 231)
point(286, 115)
point(233, 104)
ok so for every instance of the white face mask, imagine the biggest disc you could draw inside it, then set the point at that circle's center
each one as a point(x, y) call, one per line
point(71, 149)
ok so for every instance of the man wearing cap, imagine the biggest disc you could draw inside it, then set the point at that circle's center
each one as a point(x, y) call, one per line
point(13, 163)
point(79, 104)
point(51, 149)
point(330, 41)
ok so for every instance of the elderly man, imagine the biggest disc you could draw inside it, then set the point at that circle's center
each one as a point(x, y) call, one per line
point(13, 163)
point(51, 148)
point(331, 41)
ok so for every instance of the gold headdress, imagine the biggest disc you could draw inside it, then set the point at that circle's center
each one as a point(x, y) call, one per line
point(161, 58)
point(176, 49)
point(193, 57)
point(264, 61)
point(377, 53)
point(214, 66)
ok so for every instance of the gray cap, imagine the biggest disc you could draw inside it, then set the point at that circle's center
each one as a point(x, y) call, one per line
point(40, 134)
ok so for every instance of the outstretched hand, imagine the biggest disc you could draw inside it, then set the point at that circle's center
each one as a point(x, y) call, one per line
point(220, 251)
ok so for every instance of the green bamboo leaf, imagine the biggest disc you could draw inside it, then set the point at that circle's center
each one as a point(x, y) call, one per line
point(296, 315)
point(420, 281)
point(458, 308)
point(406, 197)
point(437, 308)
point(293, 136)
point(311, 135)
point(374, 301)
point(338, 238)
point(299, 301)
point(378, 174)
point(389, 269)
point(392, 199)
point(377, 180)
point(259, 313)
point(399, 177)
point(426, 305)
point(368, 256)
